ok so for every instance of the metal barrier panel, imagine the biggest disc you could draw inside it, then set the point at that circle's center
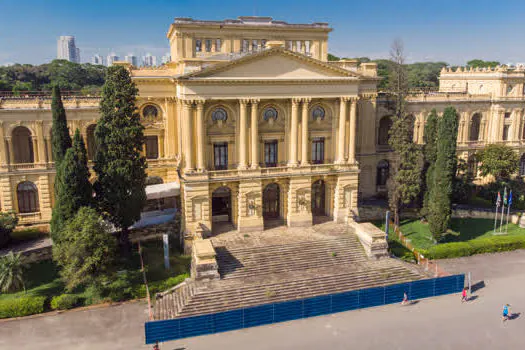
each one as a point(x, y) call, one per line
point(179, 328)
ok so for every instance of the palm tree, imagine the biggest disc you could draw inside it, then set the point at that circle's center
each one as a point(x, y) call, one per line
point(12, 273)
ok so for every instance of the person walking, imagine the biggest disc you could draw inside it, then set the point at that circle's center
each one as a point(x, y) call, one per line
point(464, 295)
point(156, 346)
point(405, 298)
point(505, 312)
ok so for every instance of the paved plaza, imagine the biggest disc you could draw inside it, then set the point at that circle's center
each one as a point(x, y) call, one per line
point(439, 323)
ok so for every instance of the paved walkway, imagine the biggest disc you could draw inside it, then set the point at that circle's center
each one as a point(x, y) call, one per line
point(439, 323)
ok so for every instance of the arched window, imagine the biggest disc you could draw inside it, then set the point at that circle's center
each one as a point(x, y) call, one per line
point(383, 169)
point(522, 165)
point(270, 113)
point(150, 112)
point(27, 195)
point(474, 127)
point(219, 114)
point(318, 113)
point(384, 127)
point(22, 145)
point(91, 143)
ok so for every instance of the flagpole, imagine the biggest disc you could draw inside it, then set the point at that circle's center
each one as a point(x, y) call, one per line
point(507, 226)
point(502, 209)
point(496, 218)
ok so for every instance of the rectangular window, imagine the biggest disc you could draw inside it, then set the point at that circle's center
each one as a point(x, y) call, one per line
point(263, 44)
point(207, 43)
point(289, 45)
point(506, 132)
point(220, 152)
point(507, 115)
point(245, 45)
point(307, 47)
point(217, 45)
point(255, 45)
point(270, 153)
point(318, 150)
point(198, 45)
point(152, 147)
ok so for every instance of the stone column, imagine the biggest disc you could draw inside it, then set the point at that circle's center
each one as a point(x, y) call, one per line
point(10, 150)
point(200, 135)
point(341, 134)
point(36, 156)
point(466, 129)
point(41, 142)
point(304, 132)
point(242, 134)
point(161, 145)
point(3, 153)
point(352, 136)
point(255, 134)
point(293, 133)
point(188, 130)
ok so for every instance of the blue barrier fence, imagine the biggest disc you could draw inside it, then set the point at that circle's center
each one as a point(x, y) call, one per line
point(179, 328)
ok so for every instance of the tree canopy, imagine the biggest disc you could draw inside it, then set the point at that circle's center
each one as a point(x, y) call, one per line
point(86, 251)
point(60, 140)
point(499, 161)
point(68, 75)
point(477, 63)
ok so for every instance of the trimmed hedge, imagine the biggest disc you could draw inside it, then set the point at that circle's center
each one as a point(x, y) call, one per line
point(65, 302)
point(475, 246)
point(23, 306)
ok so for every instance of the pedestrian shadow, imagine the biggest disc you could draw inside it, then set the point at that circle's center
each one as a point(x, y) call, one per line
point(477, 286)
point(472, 298)
point(514, 315)
point(413, 302)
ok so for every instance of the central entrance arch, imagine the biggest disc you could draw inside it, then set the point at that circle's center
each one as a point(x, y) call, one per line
point(271, 201)
point(318, 198)
point(221, 205)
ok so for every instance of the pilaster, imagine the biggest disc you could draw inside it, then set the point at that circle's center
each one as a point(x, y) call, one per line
point(250, 206)
point(293, 132)
point(345, 197)
point(341, 131)
point(300, 202)
point(304, 132)
point(255, 134)
point(352, 135)
point(242, 126)
point(201, 136)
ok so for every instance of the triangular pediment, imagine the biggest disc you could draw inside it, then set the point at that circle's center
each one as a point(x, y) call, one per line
point(273, 64)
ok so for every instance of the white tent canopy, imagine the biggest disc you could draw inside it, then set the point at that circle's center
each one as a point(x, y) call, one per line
point(170, 189)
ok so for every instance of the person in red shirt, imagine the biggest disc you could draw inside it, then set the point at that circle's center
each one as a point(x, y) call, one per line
point(464, 295)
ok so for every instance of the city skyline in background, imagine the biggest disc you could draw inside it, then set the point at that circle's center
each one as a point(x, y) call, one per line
point(444, 31)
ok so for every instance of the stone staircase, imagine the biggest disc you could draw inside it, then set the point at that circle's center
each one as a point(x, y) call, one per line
point(276, 273)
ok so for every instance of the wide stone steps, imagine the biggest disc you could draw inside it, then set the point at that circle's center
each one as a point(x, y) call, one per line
point(239, 263)
point(221, 300)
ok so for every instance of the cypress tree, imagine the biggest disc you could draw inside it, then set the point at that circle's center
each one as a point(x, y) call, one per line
point(443, 174)
point(72, 186)
point(430, 154)
point(120, 167)
point(405, 180)
point(61, 141)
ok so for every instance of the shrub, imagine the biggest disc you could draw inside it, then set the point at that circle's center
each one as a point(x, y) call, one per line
point(23, 306)
point(65, 302)
point(475, 246)
point(8, 222)
point(122, 285)
point(160, 286)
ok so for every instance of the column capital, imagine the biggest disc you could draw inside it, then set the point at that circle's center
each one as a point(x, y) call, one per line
point(244, 101)
point(34, 138)
point(187, 103)
point(344, 98)
point(306, 100)
point(296, 100)
point(8, 138)
point(255, 101)
point(353, 100)
point(39, 122)
point(200, 102)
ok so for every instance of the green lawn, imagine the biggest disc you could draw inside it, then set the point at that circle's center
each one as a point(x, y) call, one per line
point(461, 230)
point(42, 278)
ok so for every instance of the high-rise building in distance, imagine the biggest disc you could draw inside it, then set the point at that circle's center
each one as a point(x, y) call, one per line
point(111, 58)
point(67, 49)
point(149, 60)
point(132, 59)
point(97, 59)
point(166, 58)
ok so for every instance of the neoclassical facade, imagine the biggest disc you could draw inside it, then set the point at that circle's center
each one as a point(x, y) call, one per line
point(254, 126)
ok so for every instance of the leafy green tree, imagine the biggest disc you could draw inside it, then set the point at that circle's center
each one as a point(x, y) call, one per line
point(8, 222)
point(60, 140)
point(404, 183)
point(332, 57)
point(86, 251)
point(477, 63)
point(72, 186)
point(499, 161)
point(120, 167)
point(429, 154)
point(443, 174)
point(12, 272)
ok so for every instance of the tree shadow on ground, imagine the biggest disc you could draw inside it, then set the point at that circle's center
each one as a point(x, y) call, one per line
point(465, 229)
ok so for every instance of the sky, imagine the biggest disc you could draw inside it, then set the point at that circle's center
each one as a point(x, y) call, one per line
point(451, 31)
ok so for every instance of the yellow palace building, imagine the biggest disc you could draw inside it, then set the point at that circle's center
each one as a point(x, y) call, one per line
point(250, 125)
